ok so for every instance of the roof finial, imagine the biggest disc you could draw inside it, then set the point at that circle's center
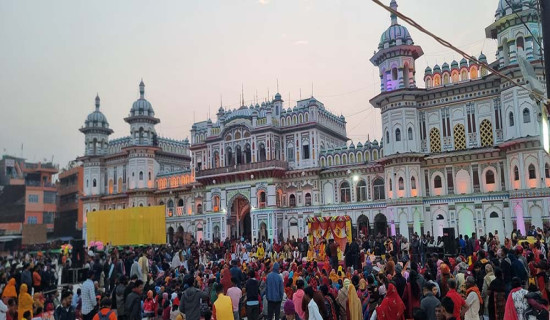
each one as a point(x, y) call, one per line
point(141, 89)
point(242, 94)
point(393, 16)
point(97, 100)
point(277, 85)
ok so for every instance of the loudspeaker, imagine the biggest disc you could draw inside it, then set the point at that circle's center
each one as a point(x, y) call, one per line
point(449, 240)
point(78, 253)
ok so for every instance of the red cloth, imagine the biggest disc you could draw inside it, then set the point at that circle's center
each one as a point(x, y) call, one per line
point(226, 280)
point(457, 300)
point(510, 312)
point(411, 301)
point(392, 307)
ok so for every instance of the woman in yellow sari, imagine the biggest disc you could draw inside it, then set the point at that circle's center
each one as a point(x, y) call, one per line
point(25, 302)
point(260, 253)
point(333, 276)
point(355, 309)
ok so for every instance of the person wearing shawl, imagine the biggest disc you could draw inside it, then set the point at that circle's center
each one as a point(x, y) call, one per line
point(333, 276)
point(9, 290)
point(342, 299)
point(516, 304)
point(391, 308)
point(355, 308)
point(25, 302)
point(473, 299)
point(226, 279)
point(330, 303)
point(489, 277)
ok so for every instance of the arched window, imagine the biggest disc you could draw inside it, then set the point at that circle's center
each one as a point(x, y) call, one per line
point(401, 183)
point(516, 173)
point(489, 177)
point(199, 208)
point(247, 153)
point(446, 78)
point(292, 200)
point(229, 157)
point(290, 152)
point(278, 199)
point(505, 52)
point(94, 183)
point(378, 189)
point(387, 137)
point(149, 176)
point(216, 160)
point(413, 183)
point(261, 200)
point(526, 115)
point(180, 203)
point(394, 74)
point(410, 133)
point(238, 153)
point(140, 175)
point(437, 182)
point(345, 192)
point(547, 171)
point(511, 119)
point(216, 203)
point(361, 191)
point(308, 199)
point(397, 134)
point(390, 186)
point(87, 183)
point(486, 133)
point(437, 80)
point(305, 149)
point(435, 140)
point(532, 172)
point(493, 215)
point(520, 44)
point(459, 137)
point(464, 75)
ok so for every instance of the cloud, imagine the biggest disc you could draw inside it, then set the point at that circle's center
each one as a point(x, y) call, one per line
point(263, 2)
point(301, 42)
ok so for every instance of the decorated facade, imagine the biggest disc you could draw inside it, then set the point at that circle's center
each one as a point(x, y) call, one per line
point(462, 151)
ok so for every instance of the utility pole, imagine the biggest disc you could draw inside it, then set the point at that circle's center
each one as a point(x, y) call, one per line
point(545, 14)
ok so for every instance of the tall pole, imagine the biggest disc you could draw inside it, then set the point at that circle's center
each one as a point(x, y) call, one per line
point(545, 14)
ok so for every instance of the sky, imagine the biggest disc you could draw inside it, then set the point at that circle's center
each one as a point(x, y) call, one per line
point(56, 55)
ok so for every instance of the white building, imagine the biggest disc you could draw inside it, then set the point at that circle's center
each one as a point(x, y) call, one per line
point(463, 152)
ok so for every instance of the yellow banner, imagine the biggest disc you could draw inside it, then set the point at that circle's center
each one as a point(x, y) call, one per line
point(131, 226)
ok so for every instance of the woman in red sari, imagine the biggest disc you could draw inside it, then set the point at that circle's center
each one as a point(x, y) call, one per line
point(226, 279)
point(411, 296)
point(392, 307)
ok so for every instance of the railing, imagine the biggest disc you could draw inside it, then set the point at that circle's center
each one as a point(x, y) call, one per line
point(179, 211)
point(244, 167)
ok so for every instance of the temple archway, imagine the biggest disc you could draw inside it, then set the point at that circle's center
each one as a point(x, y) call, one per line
point(363, 226)
point(240, 221)
point(380, 225)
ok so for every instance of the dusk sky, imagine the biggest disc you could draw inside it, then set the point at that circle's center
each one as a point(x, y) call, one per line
point(57, 54)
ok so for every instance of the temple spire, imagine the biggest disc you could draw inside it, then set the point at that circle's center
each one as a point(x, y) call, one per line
point(97, 100)
point(393, 16)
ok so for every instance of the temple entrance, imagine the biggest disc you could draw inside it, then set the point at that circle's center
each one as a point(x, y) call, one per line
point(380, 225)
point(363, 227)
point(240, 223)
point(262, 233)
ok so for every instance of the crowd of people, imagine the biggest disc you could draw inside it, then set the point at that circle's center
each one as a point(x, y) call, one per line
point(372, 277)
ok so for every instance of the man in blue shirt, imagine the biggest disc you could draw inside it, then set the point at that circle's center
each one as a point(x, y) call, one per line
point(274, 293)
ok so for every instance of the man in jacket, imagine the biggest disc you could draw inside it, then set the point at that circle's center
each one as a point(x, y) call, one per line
point(190, 303)
point(274, 293)
point(252, 289)
point(119, 295)
point(65, 311)
point(133, 302)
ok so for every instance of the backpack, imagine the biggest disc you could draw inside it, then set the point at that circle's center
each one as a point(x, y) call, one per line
point(105, 316)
